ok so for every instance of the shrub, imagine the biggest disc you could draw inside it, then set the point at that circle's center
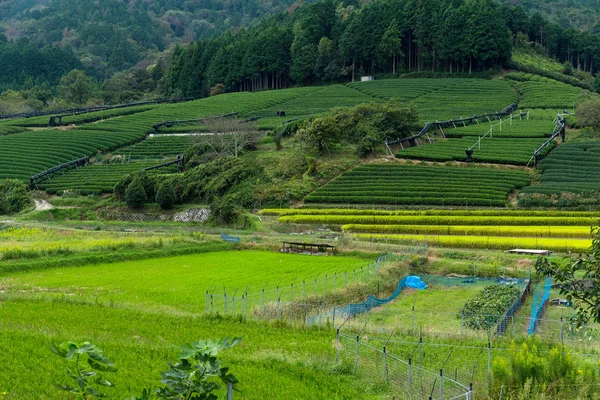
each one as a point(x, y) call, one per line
point(14, 196)
point(165, 195)
point(135, 195)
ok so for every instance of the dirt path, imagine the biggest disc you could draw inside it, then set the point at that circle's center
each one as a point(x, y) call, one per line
point(41, 205)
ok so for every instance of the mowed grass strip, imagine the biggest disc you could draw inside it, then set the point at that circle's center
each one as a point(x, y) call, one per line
point(485, 242)
point(582, 232)
point(181, 282)
point(272, 362)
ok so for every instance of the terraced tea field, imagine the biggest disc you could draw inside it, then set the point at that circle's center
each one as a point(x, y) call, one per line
point(158, 146)
point(570, 176)
point(100, 178)
point(517, 128)
point(498, 150)
point(28, 153)
point(421, 185)
point(465, 98)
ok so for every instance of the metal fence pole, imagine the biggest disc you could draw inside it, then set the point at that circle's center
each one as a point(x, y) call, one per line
point(243, 305)
point(225, 303)
point(292, 293)
point(384, 364)
point(441, 384)
point(337, 345)
point(489, 366)
point(356, 359)
point(413, 321)
point(263, 299)
point(229, 391)
point(278, 308)
point(206, 302)
point(409, 383)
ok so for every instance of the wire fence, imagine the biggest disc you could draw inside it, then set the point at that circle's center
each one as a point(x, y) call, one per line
point(403, 377)
point(303, 299)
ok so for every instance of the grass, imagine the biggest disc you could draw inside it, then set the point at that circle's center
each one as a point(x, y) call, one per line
point(436, 308)
point(273, 361)
point(180, 283)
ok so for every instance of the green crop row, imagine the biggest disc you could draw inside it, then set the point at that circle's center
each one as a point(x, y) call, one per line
point(582, 232)
point(157, 146)
point(568, 171)
point(350, 211)
point(83, 118)
point(490, 149)
point(28, 153)
point(99, 178)
point(520, 127)
point(486, 309)
point(421, 184)
point(550, 94)
point(438, 220)
point(484, 242)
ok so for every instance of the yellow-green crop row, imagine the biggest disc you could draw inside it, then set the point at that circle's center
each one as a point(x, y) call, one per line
point(582, 232)
point(448, 212)
point(438, 220)
point(486, 242)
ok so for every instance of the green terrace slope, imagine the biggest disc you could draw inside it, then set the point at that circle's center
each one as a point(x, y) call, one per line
point(421, 185)
point(99, 178)
point(570, 177)
point(28, 153)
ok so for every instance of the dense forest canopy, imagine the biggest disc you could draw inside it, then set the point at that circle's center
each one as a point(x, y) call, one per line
point(333, 40)
point(112, 35)
point(133, 49)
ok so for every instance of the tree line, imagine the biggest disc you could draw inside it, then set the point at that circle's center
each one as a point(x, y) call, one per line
point(338, 41)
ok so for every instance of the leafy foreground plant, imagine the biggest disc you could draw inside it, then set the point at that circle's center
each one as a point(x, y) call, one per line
point(85, 361)
point(193, 376)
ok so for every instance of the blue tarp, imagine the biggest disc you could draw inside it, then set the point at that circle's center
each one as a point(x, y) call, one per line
point(415, 282)
point(230, 239)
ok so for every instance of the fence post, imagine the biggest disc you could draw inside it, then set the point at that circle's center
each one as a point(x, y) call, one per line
point(413, 321)
point(501, 390)
point(263, 299)
point(356, 359)
point(334, 280)
point(303, 287)
point(409, 377)
point(206, 302)
point(225, 303)
point(489, 367)
point(420, 353)
point(462, 323)
point(233, 305)
point(470, 391)
point(279, 308)
point(292, 293)
point(325, 290)
point(333, 319)
point(229, 391)
point(243, 305)
point(384, 364)
point(337, 345)
point(441, 383)
point(345, 280)
point(212, 303)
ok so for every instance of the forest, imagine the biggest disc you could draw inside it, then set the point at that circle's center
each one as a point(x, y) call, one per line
point(333, 41)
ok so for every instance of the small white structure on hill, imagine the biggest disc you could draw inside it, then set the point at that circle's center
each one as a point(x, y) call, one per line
point(367, 78)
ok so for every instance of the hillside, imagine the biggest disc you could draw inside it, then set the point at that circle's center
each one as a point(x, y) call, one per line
point(112, 35)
